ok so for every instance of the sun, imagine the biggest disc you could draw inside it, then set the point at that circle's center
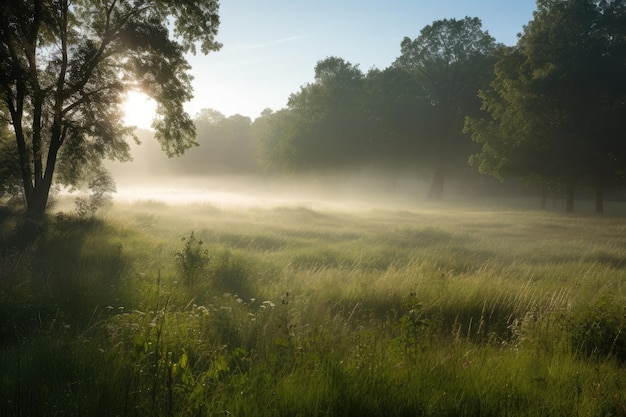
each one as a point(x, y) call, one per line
point(139, 109)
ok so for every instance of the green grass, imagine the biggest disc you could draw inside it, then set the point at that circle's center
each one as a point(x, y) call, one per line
point(195, 310)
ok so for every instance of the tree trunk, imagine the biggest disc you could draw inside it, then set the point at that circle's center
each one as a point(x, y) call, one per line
point(569, 198)
point(599, 199)
point(436, 186)
point(39, 199)
point(544, 199)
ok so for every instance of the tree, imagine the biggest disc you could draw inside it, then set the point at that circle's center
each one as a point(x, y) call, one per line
point(399, 118)
point(557, 104)
point(224, 146)
point(512, 138)
point(452, 60)
point(275, 138)
point(66, 66)
point(323, 126)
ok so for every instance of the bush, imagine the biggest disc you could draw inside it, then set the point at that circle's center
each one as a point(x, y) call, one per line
point(192, 259)
point(101, 189)
point(598, 330)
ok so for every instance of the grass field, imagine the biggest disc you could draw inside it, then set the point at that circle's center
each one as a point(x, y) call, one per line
point(198, 310)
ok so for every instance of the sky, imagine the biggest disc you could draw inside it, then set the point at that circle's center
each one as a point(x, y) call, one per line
point(270, 47)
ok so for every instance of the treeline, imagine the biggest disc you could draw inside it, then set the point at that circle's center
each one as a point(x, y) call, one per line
point(407, 116)
point(548, 112)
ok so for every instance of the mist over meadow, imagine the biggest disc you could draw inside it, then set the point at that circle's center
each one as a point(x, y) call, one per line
point(442, 237)
point(228, 179)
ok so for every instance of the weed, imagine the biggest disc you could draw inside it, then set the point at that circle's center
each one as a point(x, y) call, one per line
point(412, 325)
point(192, 259)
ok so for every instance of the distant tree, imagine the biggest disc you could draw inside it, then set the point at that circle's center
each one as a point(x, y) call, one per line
point(258, 132)
point(452, 60)
point(66, 66)
point(276, 132)
point(399, 118)
point(224, 145)
point(558, 103)
point(323, 125)
point(240, 152)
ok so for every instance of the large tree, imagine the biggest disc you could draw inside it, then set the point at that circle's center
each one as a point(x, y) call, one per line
point(558, 102)
point(66, 65)
point(452, 60)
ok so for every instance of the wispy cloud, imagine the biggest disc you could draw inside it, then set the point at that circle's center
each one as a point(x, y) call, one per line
point(269, 44)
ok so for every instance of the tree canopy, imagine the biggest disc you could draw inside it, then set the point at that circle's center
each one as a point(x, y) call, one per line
point(557, 112)
point(66, 66)
point(322, 126)
point(411, 113)
point(452, 60)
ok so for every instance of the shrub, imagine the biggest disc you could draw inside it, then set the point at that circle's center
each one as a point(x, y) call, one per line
point(598, 330)
point(192, 258)
point(101, 189)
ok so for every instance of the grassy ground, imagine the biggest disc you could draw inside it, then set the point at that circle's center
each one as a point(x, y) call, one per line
point(197, 310)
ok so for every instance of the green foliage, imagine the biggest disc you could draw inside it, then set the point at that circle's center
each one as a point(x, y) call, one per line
point(556, 103)
point(394, 118)
point(412, 325)
point(101, 187)
point(452, 59)
point(324, 126)
point(400, 125)
point(598, 330)
point(192, 259)
point(276, 152)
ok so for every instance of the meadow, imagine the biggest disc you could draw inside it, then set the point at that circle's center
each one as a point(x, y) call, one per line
point(200, 310)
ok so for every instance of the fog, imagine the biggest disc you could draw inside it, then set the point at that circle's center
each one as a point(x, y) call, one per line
point(219, 179)
point(357, 190)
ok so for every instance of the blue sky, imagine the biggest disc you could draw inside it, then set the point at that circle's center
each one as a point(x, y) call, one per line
point(271, 46)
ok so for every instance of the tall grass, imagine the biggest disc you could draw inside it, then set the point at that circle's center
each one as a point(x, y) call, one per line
point(291, 311)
